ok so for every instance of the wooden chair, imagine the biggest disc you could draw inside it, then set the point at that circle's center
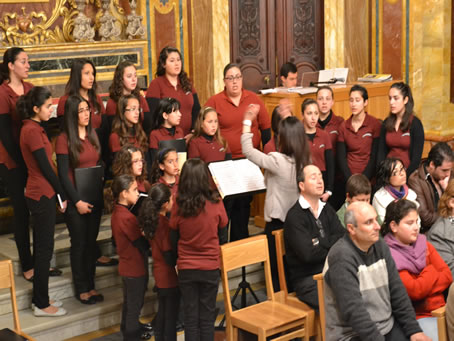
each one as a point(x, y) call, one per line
point(266, 318)
point(440, 314)
point(313, 325)
point(7, 281)
point(321, 302)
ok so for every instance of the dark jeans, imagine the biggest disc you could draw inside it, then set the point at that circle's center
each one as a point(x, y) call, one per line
point(167, 316)
point(15, 180)
point(43, 214)
point(134, 289)
point(83, 230)
point(273, 225)
point(306, 291)
point(199, 289)
point(238, 210)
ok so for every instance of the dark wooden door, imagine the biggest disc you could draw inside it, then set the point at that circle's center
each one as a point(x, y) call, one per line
point(267, 33)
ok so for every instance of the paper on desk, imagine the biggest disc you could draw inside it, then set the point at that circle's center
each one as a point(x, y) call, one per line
point(268, 91)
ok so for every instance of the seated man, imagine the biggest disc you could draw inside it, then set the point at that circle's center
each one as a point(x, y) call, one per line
point(310, 229)
point(429, 182)
point(289, 75)
point(358, 188)
point(364, 296)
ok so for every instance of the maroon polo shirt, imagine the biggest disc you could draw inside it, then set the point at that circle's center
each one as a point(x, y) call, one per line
point(95, 117)
point(173, 187)
point(198, 246)
point(164, 274)
point(88, 157)
point(359, 144)
point(231, 117)
point(270, 146)
point(115, 144)
point(163, 134)
point(207, 150)
point(319, 145)
point(143, 186)
point(332, 128)
point(8, 100)
point(125, 230)
point(32, 138)
point(398, 143)
point(111, 107)
point(160, 87)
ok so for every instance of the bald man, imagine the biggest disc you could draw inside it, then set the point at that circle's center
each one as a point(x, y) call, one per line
point(310, 229)
point(364, 296)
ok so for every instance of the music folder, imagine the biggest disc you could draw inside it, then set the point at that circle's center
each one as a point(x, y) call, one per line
point(90, 184)
point(134, 209)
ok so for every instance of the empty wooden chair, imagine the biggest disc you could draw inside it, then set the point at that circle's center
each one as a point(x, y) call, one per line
point(266, 318)
point(7, 281)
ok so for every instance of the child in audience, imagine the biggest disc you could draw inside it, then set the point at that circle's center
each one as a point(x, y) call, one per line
point(392, 185)
point(358, 188)
point(155, 225)
point(132, 248)
point(197, 218)
point(423, 272)
point(130, 160)
point(165, 169)
point(206, 143)
point(320, 145)
point(167, 118)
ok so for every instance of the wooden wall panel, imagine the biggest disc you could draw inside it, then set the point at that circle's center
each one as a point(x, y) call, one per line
point(164, 31)
point(392, 38)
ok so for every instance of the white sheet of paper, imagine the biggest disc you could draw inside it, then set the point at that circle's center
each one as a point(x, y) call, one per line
point(341, 73)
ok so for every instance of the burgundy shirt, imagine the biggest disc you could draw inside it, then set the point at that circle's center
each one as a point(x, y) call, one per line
point(115, 145)
point(111, 107)
point(125, 230)
point(32, 138)
point(270, 146)
point(207, 150)
point(95, 117)
point(160, 87)
point(164, 274)
point(173, 187)
point(332, 128)
point(231, 117)
point(398, 143)
point(163, 134)
point(8, 100)
point(359, 144)
point(319, 145)
point(198, 246)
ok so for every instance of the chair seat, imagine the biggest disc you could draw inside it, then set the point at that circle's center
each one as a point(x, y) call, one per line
point(273, 315)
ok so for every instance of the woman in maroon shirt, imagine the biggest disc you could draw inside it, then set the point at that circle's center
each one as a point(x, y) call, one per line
point(172, 81)
point(78, 147)
point(13, 71)
point(198, 219)
point(42, 191)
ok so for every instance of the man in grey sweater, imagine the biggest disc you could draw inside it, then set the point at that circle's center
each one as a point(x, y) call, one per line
point(364, 296)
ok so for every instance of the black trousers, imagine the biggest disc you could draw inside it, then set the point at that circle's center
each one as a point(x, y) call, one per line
point(134, 289)
point(167, 316)
point(15, 180)
point(83, 230)
point(273, 225)
point(306, 291)
point(238, 210)
point(199, 289)
point(43, 214)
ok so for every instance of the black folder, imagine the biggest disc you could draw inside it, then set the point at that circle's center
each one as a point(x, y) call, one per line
point(135, 209)
point(7, 334)
point(179, 145)
point(90, 184)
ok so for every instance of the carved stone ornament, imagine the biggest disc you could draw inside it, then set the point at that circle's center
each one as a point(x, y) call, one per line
point(82, 25)
point(135, 28)
point(304, 27)
point(249, 27)
point(110, 28)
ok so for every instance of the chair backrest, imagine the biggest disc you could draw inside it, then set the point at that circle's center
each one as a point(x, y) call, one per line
point(7, 281)
point(241, 253)
point(280, 253)
point(321, 302)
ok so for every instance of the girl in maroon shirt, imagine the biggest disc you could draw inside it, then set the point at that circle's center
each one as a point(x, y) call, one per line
point(155, 224)
point(41, 193)
point(198, 223)
point(78, 147)
point(13, 71)
point(207, 144)
point(165, 169)
point(130, 160)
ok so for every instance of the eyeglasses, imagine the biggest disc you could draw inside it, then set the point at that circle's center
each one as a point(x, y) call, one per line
point(138, 161)
point(320, 227)
point(133, 109)
point(231, 79)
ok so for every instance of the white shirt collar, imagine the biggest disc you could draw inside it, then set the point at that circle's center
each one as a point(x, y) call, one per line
point(305, 205)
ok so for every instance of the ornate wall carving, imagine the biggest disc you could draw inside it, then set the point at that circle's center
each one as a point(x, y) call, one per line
point(303, 27)
point(249, 27)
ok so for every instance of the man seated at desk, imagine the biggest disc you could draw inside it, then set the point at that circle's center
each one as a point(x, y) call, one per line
point(288, 75)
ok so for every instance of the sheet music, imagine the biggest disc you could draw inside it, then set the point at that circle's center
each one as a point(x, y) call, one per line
point(182, 157)
point(325, 75)
point(302, 91)
point(341, 72)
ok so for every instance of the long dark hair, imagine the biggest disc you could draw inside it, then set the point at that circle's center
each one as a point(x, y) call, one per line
point(293, 142)
point(123, 131)
point(9, 56)
point(122, 163)
point(183, 76)
point(385, 170)
point(404, 125)
point(161, 156)
point(194, 188)
point(306, 103)
point(116, 88)
point(71, 128)
point(121, 183)
point(396, 211)
point(166, 105)
point(37, 96)
point(151, 207)
point(361, 89)
point(75, 81)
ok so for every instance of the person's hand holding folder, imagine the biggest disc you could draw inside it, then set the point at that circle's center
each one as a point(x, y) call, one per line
point(83, 207)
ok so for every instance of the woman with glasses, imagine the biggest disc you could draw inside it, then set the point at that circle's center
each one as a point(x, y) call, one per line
point(231, 104)
point(172, 81)
point(78, 147)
